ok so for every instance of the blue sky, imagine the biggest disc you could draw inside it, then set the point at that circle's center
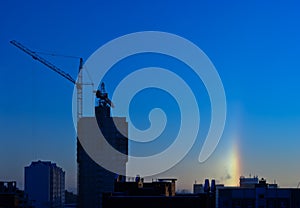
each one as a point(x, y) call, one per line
point(254, 45)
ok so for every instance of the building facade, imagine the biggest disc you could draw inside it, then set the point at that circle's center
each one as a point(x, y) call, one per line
point(254, 193)
point(45, 184)
point(94, 180)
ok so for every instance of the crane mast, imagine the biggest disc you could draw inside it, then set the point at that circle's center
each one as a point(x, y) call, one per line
point(60, 72)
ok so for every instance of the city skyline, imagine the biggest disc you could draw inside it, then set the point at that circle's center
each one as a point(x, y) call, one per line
point(254, 46)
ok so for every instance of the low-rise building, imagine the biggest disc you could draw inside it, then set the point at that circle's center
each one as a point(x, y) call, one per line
point(254, 193)
point(11, 196)
point(158, 194)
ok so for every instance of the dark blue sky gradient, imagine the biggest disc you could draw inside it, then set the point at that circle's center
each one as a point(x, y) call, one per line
point(254, 45)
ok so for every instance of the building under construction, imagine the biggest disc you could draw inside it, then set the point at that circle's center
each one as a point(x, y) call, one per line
point(94, 180)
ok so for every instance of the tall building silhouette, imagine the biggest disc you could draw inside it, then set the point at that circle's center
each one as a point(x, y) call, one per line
point(45, 184)
point(94, 180)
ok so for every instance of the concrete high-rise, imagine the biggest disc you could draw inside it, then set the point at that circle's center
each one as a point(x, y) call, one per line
point(94, 180)
point(45, 184)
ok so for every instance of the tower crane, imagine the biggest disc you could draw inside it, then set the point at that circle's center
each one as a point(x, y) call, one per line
point(101, 94)
point(78, 83)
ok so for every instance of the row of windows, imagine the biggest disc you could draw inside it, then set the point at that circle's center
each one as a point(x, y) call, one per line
point(249, 203)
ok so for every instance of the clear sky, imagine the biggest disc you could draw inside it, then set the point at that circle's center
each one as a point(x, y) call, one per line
point(254, 45)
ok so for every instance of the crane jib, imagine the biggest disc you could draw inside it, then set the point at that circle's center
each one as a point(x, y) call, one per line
point(43, 61)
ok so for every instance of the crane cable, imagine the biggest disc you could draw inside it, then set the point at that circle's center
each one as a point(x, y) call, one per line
point(55, 54)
